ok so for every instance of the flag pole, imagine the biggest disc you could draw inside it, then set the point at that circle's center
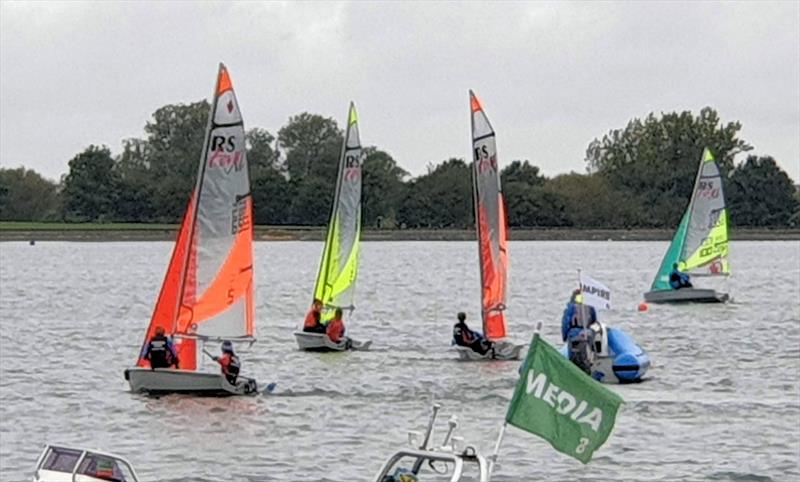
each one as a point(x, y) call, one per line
point(493, 457)
point(581, 307)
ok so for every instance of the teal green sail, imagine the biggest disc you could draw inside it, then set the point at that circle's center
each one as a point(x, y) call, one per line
point(673, 256)
point(701, 241)
point(338, 267)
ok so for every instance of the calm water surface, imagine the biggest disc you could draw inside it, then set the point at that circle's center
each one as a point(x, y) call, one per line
point(722, 401)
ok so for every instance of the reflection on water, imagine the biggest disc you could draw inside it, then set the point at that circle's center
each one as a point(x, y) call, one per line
point(722, 401)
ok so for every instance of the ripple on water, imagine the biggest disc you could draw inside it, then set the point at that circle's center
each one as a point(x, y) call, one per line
point(721, 401)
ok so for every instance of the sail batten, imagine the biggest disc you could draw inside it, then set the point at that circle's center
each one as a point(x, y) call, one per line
point(210, 279)
point(490, 223)
point(700, 244)
point(338, 271)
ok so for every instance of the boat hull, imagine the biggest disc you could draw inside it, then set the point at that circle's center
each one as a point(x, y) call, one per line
point(162, 381)
point(502, 350)
point(686, 295)
point(622, 360)
point(307, 341)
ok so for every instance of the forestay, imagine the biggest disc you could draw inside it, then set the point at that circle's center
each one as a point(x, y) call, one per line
point(700, 244)
point(338, 268)
point(491, 223)
point(208, 289)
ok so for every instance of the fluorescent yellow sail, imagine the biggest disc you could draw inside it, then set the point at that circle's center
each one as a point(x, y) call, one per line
point(338, 269)
point(713, 250)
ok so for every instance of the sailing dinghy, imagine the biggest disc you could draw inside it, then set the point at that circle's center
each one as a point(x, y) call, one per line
point(700, 245)
point(207, 295)
point(491, 225)
point(338, 268)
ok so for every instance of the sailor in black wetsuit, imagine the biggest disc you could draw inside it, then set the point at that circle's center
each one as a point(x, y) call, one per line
point(463, 336)
point(160, 351)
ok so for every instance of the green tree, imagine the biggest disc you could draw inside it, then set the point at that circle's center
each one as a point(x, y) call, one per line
point(135, 182)
point(91, 187)
point(261, 156)
point(761, 194)
point(527, 202)
point(272, 198)
point(312, 145)
point(441, 198)
point(175, 139)
point(522, 172)
point(382, 188)
point(591, 202)
point(27, 196)
point(311, 204)
point(654, 162)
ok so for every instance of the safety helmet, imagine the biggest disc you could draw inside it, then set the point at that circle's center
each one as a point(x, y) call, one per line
point(227, 346)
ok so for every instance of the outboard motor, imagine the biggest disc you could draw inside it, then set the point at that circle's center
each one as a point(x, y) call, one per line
point(581, 351)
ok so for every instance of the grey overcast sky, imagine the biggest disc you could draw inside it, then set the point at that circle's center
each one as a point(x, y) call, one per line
point(552, 76)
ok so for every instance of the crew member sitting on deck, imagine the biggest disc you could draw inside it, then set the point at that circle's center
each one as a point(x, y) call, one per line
point(576, 331)
point(160, 351)
point(312, 323)
point(678, 279)
point(335, 330)
point(229, 362)
point(463, 336)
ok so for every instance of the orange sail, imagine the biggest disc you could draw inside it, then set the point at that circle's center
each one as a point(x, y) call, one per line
point(208, 293)
point(491, 223)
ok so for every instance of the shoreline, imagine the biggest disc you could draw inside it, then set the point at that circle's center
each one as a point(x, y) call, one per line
point(165, 232)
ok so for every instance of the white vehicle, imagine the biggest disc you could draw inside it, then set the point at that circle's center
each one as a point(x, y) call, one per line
point(64, 464)
point(450, 462)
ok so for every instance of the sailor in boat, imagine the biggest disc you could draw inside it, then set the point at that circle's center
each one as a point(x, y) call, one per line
point(678, 279)
point(160, 351)
point(336, 329)
point(576, 330)
point(229, 362)
point(312, 323)
point(463, 336)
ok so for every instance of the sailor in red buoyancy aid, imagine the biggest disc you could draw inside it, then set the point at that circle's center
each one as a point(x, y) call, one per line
point(229, 362)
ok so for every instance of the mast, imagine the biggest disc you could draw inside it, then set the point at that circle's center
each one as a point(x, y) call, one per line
point(325, 262)
point(475, 206)
point(196, 196)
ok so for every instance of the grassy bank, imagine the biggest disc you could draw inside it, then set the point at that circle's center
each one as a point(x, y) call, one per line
point(25, 231)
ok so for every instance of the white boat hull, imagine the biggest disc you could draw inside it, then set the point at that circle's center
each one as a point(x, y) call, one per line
point(320, 342)
point(67, 464)
point(161, 381)
point(686, 295)
point(502, 350)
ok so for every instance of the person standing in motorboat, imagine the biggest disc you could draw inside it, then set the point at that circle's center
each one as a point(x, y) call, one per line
point(160, 351)
point(313, 323)
point(463, 336)
point(229, 362)
point(576, 330)
point(679, 279)
point(336, 329)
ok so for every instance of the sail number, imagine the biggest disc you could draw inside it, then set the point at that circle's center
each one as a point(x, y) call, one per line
point(711, 247)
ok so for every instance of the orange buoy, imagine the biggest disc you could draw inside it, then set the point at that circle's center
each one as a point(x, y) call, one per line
point(643, 307)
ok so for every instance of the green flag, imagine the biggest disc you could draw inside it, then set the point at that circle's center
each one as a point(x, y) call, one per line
point(557, 401)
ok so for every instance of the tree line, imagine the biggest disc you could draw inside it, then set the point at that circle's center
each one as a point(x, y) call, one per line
point(638, 176)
